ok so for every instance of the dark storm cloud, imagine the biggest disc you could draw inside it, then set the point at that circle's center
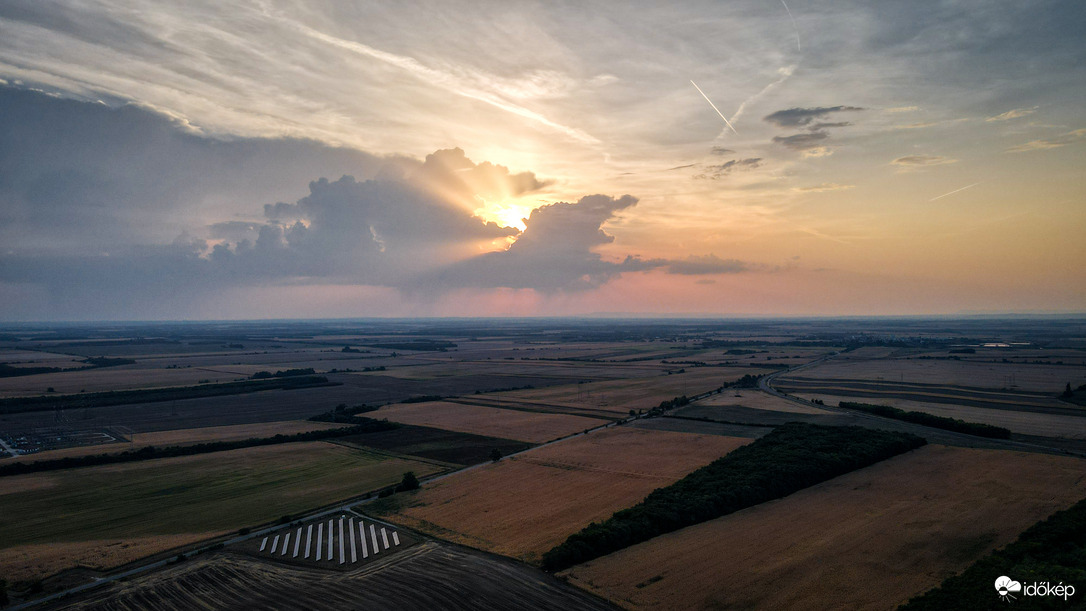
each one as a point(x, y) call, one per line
point(802, 142)
point(801, 117)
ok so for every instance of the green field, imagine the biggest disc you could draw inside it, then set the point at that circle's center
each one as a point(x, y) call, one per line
point(192, 494)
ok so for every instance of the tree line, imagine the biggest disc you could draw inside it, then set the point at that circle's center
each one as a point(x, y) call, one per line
point(792, 457)
point(926, 419)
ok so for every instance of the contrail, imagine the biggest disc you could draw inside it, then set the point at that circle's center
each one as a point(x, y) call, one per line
point(798, 47)
point(726, 121)
point(785, 72)
point(954, 191)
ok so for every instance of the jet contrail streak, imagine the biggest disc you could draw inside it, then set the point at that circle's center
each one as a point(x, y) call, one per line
point(954, 191)
point(726, 121)
point(798, 47)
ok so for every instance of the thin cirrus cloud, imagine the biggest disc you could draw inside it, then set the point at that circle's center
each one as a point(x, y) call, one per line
point(718, 171)
point(1072, 137)
point(823, 188)
point(922, 161)
point(1013, 114)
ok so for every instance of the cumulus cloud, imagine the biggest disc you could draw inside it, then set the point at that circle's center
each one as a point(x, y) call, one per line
point(1012, 114)
point(1071, 137)
point(921, 161)
point(802, 117)
point(554, 252)
point(714, 172)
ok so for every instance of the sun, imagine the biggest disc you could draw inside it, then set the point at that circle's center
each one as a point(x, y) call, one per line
point(505, 213)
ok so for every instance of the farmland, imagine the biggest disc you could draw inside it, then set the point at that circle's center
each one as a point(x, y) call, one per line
point(191, 497)
point(524, 505)
point(428, 576)
point(919, 518)
point(457, 393)
point(507, 423)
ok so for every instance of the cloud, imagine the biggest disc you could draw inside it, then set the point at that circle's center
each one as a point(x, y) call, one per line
point(713, 172)
point(898, 109)
point(812, 143)
point(554, 252)
point(1071, 137)
point(1013, 114)
point(801, 117)
point(822, 188)
point(916, 125)
point(820, 126)
point(719, 150)
point(802, 142)
point(696, 265)
point(86, 177)
point(919, 161)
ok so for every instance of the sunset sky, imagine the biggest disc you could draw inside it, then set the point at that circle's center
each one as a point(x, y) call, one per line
point(320, 158)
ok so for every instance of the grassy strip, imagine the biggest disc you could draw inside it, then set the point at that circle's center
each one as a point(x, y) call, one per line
point(150, 452)
point(938, 422)
point(1052, 551)
point(792, 457)
point(150, 395)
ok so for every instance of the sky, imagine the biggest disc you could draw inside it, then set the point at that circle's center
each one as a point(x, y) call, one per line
point(326, 159)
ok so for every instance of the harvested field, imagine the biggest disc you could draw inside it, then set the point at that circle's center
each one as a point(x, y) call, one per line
point(124, 377)
point(756, 399)
point(933, 393)
point(190, 495)
point(526, 504)
point(1019, 376)
point(251, 408)
point(1026, 423)
point(28, 562)
point(506, 423)
point(746, 415)
point(181, 437)
point(642, 393)
point(680, 425)
point(562, 372)
point(436, 444)
point(427, 576)
point(383, 388)
point(918, 518)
